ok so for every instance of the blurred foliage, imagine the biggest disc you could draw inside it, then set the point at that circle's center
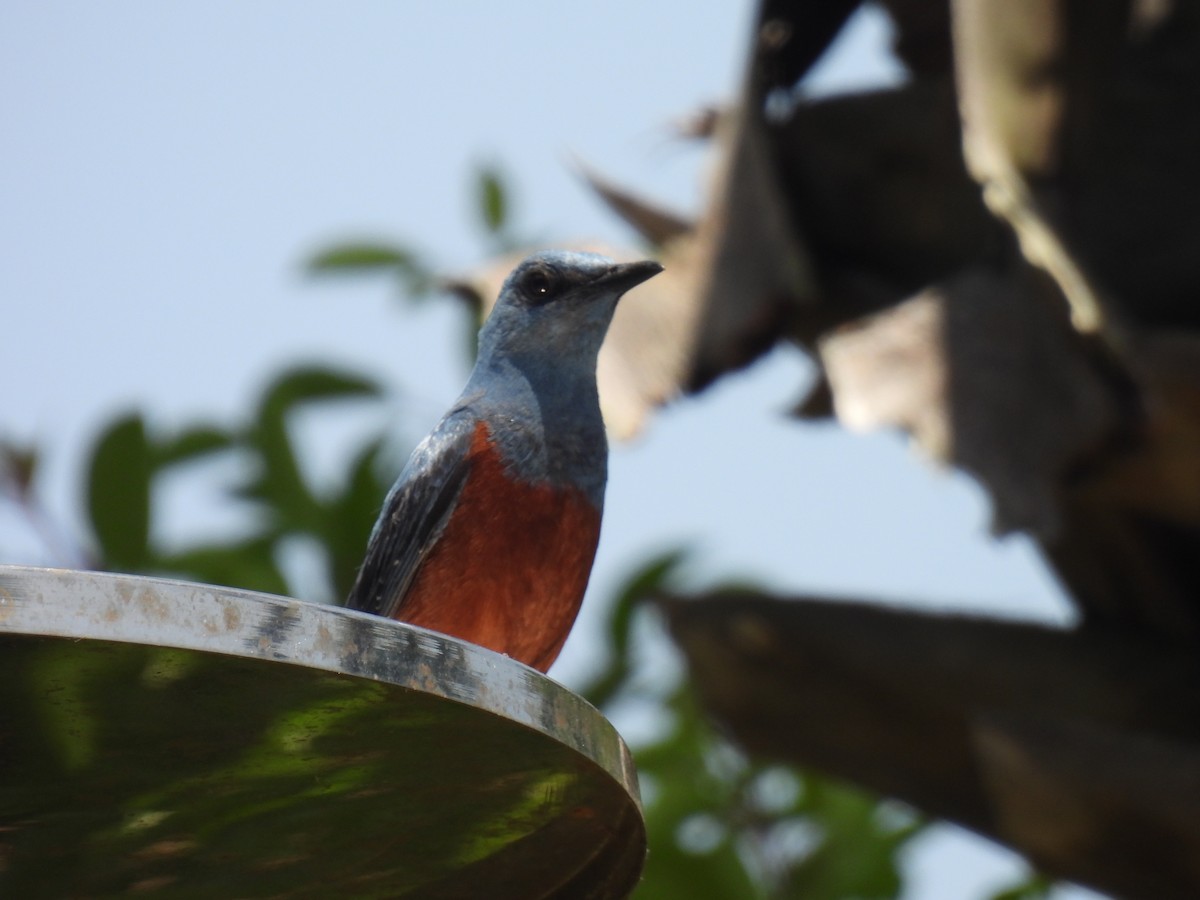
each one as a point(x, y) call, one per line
point(412, 271)
point(414, 274)
point(129, 460)
point(720, 825)
point(1036, 887)
point(494, 210)
point(493, 200)
point(355, 257)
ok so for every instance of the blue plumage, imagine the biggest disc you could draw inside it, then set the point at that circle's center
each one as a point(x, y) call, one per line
point(533, 389)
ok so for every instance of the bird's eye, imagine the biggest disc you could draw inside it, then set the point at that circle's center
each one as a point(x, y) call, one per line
point(539, 284)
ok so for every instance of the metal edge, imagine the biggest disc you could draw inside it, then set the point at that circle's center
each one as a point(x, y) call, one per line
point(164, 612)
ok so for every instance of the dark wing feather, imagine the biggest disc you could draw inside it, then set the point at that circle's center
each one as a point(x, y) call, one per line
point(414, 515)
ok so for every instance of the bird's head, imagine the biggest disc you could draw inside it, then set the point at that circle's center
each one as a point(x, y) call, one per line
point(556, 307)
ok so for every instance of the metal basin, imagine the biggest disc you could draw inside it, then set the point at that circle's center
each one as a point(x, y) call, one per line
point(180, 740)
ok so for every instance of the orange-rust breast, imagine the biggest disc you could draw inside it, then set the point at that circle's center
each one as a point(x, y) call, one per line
point(511, 566)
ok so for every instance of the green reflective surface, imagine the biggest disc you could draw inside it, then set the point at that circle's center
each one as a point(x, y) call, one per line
point(294, 751)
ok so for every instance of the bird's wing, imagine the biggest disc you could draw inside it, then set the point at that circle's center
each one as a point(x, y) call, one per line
point(414, 515)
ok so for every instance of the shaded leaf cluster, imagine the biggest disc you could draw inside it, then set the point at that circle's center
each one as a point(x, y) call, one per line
point(129, 459)
point(719, 824)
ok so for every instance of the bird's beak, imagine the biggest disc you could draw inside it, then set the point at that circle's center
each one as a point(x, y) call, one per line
point(624, 276)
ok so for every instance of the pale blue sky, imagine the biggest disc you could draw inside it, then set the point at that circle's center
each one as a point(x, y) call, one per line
point(165, 168)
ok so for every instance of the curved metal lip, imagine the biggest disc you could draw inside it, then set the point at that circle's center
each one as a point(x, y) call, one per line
point(84, 605)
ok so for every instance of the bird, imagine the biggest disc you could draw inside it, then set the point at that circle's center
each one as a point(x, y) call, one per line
point(490, 531)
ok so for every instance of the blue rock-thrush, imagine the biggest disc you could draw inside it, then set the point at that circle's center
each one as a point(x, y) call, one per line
point(490, 532)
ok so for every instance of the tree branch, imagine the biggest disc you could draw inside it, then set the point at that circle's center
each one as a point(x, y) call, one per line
point(1080, 749)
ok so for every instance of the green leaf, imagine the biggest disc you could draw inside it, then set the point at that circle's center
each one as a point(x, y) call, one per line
point(304, 384)
point(360, 257)
point(857, 854)
point(350, 515)
point(686, 784)
point(493, 200)
point(1036, 887)
point(118, 493)
point(279, 483)
point(365, 257)
point(249, 564)
point(192, 442)
point(646, 582)
point(643, 584)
